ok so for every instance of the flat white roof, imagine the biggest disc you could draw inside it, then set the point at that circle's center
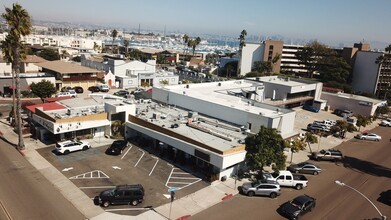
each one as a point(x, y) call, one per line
point(217, 92)
point(222, 137)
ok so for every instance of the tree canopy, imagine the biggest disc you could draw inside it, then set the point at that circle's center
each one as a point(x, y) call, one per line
point(264, 148)
point(49, 54)
point(43, 89)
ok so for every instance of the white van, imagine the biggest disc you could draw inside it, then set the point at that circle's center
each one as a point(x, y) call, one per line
point(103, 87)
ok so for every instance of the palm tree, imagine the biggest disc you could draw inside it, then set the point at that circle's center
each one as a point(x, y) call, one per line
point(310, 139)
point(185, 40)
point(114, 35)
point(388, 49)
point(126, 45)
point(19, 24)
point(242, 43)
point(195, 43)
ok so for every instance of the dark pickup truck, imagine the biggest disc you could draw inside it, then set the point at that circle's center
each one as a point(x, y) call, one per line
point(330, 154)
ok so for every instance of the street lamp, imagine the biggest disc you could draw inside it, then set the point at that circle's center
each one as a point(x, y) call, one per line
point(383, 217)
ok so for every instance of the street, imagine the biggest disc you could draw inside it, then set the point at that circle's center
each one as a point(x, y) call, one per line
point(366, 167)
point(26, 194)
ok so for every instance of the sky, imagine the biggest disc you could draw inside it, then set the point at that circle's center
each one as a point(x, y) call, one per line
point(330, 21)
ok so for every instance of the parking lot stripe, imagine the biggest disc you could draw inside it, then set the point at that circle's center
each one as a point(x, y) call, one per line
point(168, 179)
point(140, 157)
point(191, 184)
point(127, 151)
point(95, 187)
point(90, 175)
point(185, 178)
point(157, 160)
point(127, 209)
point(183, 183)
point(181, 173)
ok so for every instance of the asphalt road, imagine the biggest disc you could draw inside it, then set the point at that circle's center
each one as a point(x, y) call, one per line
point(366, 167)
point(26, 194)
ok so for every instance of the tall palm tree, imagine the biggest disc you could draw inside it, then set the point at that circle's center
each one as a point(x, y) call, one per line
point(185, 39)
point(195, 43)
point(126, 45)
point(242, 43)
point(19, 24)
point(114, 35)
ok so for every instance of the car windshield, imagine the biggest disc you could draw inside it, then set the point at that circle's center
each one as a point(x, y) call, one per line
point(297, 203)
point(322, 151)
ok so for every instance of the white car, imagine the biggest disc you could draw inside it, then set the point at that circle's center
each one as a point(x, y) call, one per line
point(368, 136)
point(386, 122)
point(72, 94)
point(66, 147)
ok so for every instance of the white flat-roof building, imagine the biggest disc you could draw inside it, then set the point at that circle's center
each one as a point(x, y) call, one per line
point(238, 102)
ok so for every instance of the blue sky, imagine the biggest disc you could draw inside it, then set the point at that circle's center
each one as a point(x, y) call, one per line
point(328, 21)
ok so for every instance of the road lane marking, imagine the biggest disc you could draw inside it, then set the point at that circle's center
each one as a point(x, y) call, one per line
point(67, 169)
point(5, 211)
point(168, 179)
point(126, 209)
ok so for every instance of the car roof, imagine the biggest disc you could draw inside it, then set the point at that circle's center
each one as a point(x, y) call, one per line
point(303, 199)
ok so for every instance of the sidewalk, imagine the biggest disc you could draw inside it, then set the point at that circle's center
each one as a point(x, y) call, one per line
point(188, 205)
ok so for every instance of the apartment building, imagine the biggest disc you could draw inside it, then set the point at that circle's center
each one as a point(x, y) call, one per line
point(370, 76)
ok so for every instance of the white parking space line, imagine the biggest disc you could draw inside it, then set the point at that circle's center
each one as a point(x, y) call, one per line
point(96, 187)
point(168, 179)
point(127, 151)
point(127, 209)
point(95, 174)
point(140, 157)
point(181, 176)
point(153, 168)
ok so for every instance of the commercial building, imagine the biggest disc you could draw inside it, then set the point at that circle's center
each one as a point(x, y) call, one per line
point(372, 73)
point(69, 74)
point(77, 118)
point(357, 104)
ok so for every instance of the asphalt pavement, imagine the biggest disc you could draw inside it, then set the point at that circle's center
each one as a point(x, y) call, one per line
point(192, 204)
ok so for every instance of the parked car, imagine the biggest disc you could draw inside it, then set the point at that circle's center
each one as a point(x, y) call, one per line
point(103, 87)
point(117, 147)
point(93, 89)
point(310, 108)
point(121, 195)
point(297, 207)
point(317, 127)
point(70, 93)
point(121, 93)
point(386, 122)
point(78, 89)
point(137, 90)
point(67, 147)
point(343, 113)
point(264, 188)
point(329, 154)
point(305, 167)
point(368, 136)
point(286, 178)
point(66, 88)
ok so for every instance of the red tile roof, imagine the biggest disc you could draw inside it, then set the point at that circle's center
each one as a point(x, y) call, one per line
point(46, 106)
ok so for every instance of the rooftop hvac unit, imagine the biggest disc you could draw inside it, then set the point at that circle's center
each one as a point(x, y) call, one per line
point(219, 84)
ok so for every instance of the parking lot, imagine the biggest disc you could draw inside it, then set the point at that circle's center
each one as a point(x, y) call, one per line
point(93, 171)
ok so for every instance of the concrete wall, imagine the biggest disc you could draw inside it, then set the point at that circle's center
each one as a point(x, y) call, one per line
point(347, 102)
point(251, 53)
point(365, 72)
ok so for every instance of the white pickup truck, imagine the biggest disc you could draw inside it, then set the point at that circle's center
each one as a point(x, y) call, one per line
point(286, 178)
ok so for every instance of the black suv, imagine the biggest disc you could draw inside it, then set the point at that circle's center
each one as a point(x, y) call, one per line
point(116, 147)
point(121, 195)
point(297, 207)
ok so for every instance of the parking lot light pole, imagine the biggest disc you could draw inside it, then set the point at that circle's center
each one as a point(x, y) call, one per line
point(383, 217)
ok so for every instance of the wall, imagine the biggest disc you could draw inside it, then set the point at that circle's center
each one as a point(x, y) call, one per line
point(251, 53)
point(24, 82)
point(347, 102)
point(365, 72)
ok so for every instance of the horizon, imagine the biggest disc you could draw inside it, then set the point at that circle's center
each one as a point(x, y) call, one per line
point(330, 22)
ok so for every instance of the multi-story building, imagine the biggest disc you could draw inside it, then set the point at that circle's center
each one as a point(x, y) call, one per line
point(289, 61)
point(371, 76)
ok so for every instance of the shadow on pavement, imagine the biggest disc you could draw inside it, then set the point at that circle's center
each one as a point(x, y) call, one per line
point(385, 197)
point(366, 167)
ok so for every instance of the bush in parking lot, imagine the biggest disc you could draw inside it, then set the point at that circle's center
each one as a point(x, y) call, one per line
point(342, 125)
